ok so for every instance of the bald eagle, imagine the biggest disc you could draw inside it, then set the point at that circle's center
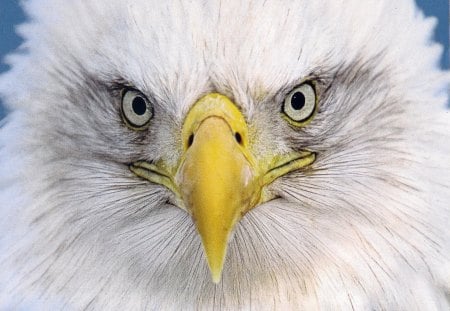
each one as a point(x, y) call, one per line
point(225, 155)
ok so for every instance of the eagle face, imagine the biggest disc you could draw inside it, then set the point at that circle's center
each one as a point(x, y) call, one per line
point(225, 155)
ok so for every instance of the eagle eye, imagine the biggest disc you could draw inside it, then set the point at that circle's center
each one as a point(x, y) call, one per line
point(300, 104)
point(137, 110)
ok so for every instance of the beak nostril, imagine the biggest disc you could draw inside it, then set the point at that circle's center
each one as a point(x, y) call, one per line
point(238, 138)
point(190, 140)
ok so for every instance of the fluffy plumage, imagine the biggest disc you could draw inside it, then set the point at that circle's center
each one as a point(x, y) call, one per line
point(366, 227)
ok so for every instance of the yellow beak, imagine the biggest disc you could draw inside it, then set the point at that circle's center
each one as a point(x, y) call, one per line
point(218, 179)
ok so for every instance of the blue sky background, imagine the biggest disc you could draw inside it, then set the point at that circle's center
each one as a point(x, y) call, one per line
point(11, 14)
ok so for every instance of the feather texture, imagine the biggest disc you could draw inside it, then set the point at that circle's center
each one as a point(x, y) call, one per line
point(366, 227)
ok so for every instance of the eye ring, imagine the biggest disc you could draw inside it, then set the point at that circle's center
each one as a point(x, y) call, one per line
point(136, 109)
point(300, 105)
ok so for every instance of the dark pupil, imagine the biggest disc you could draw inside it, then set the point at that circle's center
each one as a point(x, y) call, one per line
point(139, 106)
point(298, 101)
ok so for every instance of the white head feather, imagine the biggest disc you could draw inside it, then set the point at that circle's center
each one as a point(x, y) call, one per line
point(366, 227)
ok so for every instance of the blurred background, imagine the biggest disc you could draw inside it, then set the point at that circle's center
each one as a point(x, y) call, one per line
point(11, 15)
